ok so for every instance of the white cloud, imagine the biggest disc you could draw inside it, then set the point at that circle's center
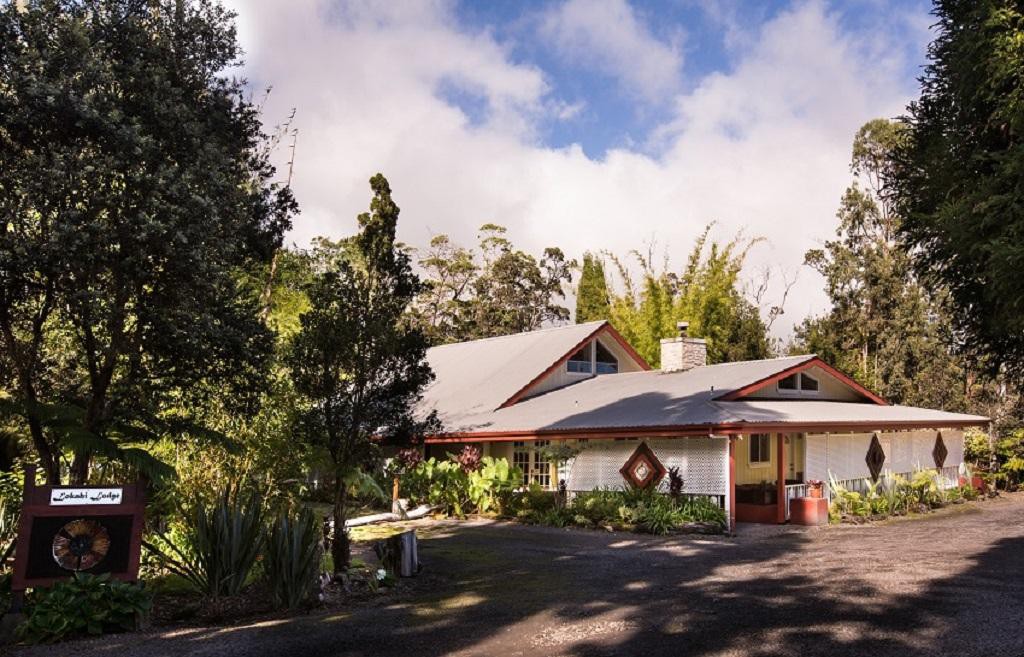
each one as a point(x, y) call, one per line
point(609, 35)
point(763, 147)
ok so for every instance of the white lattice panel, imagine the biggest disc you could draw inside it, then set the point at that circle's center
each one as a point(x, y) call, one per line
point(816, 466)
point(905, 451)
point(702, 462)
point(954, 439)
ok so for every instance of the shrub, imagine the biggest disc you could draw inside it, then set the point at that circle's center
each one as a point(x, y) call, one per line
point(219, 544)
point(293, 554)
point(658, 517)
point(493, 484)
point(701, 509)
point(644, 510)
point(468, 459)
point(85, 604)
point(675, 483)
point(10, 511)
point(467, 485)
point(5, 593)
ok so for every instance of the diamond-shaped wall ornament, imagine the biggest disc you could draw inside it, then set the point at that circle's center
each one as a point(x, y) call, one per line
point(939, 452)
point(875, 458)
point(642, 468)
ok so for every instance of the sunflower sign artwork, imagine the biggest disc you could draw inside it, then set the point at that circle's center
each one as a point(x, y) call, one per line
point(64, 530)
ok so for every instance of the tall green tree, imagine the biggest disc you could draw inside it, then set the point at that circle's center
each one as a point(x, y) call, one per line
point(357, 361)
point(133, 188)
point(956, 178)
point(884, 327)
point(494, 290)
point(592, 299)
point(707, 293)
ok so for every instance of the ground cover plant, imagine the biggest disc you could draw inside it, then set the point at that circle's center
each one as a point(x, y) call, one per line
point(83, 605)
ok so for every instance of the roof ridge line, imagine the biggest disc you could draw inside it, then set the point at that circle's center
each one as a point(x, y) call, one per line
point(521, 333)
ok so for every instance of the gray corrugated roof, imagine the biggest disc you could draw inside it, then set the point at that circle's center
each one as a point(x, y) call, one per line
point(659, 399)
point(479, 376)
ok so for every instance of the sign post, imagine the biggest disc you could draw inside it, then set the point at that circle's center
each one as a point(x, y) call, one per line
point(69, 529)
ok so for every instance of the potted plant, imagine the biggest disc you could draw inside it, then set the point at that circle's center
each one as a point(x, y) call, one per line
point(815, 487)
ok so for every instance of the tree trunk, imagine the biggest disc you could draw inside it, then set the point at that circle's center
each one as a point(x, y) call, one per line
point(340, 549)
point(80, 468)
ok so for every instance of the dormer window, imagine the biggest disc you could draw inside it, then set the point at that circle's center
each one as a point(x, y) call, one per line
point(604, 362)
point(592, 358)
point(580, 362)
point(797, 384)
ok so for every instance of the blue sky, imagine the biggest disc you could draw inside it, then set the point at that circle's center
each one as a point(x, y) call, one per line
point(588, 124)
point(706, 37)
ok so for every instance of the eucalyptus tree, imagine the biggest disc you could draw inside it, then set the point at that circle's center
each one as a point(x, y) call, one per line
point(133, 188)
point(885, 328)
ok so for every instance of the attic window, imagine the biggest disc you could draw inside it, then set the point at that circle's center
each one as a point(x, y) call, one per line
point(580, 362)
point(604, 361)
point(799, 383)
point(789, 383)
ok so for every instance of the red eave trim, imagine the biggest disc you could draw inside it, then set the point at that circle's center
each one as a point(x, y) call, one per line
point(605, 328)
point(727, 429)
point(813, 362)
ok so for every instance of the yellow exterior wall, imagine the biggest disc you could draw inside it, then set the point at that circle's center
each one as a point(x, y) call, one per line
point(755, 474)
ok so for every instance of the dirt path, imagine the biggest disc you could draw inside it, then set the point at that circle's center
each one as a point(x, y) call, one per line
point(947, 584)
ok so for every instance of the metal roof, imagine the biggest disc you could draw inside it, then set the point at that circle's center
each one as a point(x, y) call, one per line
point(479, 376)
point(654, 399)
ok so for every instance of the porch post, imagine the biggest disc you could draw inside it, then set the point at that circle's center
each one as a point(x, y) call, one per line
point(780, 484)
point(732, 483)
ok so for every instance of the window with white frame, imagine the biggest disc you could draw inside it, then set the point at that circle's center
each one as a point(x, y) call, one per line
point(604, 361)
point(581, 361)
point(760, 448)
point(797, 384)
point(533, 460)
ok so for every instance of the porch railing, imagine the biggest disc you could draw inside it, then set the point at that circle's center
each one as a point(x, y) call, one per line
point(949, 477)
point(794, 491)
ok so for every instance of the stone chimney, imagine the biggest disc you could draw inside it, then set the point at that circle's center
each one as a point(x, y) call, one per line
point(683, 353)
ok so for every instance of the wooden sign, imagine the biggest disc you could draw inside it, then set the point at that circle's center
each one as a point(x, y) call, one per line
point(69, 529)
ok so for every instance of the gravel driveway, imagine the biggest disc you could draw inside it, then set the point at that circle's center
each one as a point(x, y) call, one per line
point(951, 583)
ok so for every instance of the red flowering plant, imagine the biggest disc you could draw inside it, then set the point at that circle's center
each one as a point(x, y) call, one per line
point(468, 459)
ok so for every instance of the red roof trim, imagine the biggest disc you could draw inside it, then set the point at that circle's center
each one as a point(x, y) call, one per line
point(812, 362)
point(606, 328)
point(683, 431)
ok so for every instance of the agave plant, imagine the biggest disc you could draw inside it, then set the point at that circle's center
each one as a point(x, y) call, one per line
point(293, 555)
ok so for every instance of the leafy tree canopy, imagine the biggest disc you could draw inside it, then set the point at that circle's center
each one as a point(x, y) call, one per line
point(707, 293)
point(592, 299)
point(884, 327)
point(133, 189)
point(494, 290)
point(956, 177)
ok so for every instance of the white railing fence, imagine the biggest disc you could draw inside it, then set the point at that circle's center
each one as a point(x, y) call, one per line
point(948, 477)
point(794, 491)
